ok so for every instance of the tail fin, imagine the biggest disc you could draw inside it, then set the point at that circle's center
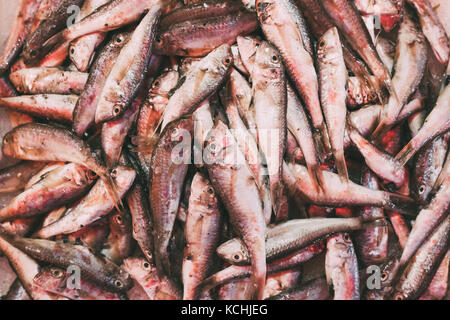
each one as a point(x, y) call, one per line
point(405, 154)
point(402, 204)
point(341, 165)
point(319, 141)
point(316, 176)
point(112, 191)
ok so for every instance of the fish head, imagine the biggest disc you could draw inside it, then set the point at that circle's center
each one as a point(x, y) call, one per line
point(328, 45)
point(11, 146)
point(51, 278)
point(218, 62)
point(140, 268)
point(234, 252)
point(203, 193)
point(268, 64)
point(247, 49)
point(123, 177)
point(218, 144)
point(164, 83)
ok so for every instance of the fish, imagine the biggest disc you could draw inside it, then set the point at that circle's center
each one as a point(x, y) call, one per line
point(145, 274)
point(432, 28)
point(42, 142)
point(34, 49)
point(247, 143)
point(196, 38)
point(332, 83)
point(202, 232)
point(290, 261)
point(111, 16)
point(85, 109)
point(114, 132)
point(151, 112)
point(48, 81)
point(56, 107)
point(119, 244)
point(98, 269)
point(312, 290)
point(57, 281)
point(410, 58)
point(20, 30)
point(436, 123)
point(25, 268)
point(424, 264)
point(96, 204)
point(371, 243)
point(347, 19)
point(202, 80)
point(337, 194)
point(170, 161)
point(298, 125)
point(82, 50)
point(270, 105)
point(233, 181)
point(127, 74)
point(196, 11)
point(382, 163)
point(427, 220)
point(281, 25)
point(15, 178)
point(64, 184)
point(341, 267)
point(141, 220)
point(428, 165)
point(287, 237)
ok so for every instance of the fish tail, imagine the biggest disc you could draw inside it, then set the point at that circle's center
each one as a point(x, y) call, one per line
point(316, 176)
point(341, 165)
point(320, 145)
point(402, 204)
point(380, 131)
point(111, 188)
point(280, 202)
point(405, 154)
point(258, 280)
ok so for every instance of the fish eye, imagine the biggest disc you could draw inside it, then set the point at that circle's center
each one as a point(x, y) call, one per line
point(7, 139)
point(119, 219)
point(175, 133)
point(237, 257)
point(156, 83)
point(384, 276)
point(159, 40)
point(114, 173)
point(146, 265)
point(421, 189)
point(399, 297)
point(56, 273)
point(91, 175)
point(117, 110)
point(227, 61)
point(72, 51)
point(257, 44)
point(119, 40)
point(347, 238)
point(33, 53)
point(212, 146)
point(274, 58)
point(118, 284)
point(211, 191)
point(321, 43)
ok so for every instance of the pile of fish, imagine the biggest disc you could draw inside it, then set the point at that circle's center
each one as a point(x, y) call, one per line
point(268, 149)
